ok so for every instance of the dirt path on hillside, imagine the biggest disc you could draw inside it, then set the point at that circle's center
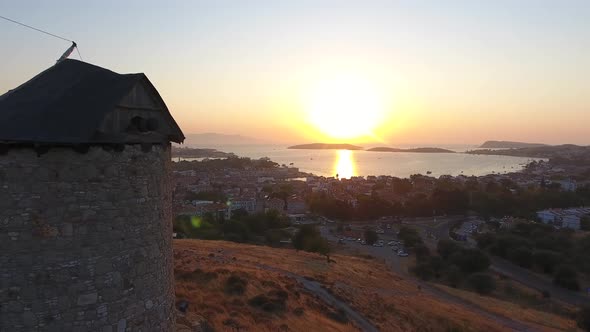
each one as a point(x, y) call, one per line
point(317, 289)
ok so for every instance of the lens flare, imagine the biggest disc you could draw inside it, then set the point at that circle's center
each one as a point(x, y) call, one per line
point(196, 222)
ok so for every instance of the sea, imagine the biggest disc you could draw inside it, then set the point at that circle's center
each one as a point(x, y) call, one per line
point(345, 163)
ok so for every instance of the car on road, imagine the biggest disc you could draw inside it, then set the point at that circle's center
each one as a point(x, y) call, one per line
point(402, 253)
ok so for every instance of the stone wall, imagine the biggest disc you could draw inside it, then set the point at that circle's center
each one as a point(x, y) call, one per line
point(86, 240)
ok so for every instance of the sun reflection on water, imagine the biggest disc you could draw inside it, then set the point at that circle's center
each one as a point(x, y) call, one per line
point(344, 167)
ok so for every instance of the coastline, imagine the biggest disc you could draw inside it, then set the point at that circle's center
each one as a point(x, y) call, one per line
point(326, 163)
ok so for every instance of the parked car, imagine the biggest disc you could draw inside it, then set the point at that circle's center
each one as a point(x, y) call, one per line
point(402, 254)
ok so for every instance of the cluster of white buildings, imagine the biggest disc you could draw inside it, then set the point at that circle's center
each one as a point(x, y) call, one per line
point(564, 218)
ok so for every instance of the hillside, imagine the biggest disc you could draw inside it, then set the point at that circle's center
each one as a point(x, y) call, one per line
point(326, 146)
point(216, 139)
point(420, 150)
point(508, 145)
point(229, 285)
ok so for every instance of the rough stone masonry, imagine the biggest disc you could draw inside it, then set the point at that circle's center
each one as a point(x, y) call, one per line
point(85, 240)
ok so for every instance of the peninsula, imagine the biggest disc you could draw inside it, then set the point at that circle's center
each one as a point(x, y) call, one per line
point(186, 152)
point(422, 150)
point(569, 151)
point(326, 146)
point(509, 145)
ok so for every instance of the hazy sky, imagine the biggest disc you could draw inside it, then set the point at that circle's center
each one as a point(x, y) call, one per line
point(449, 71)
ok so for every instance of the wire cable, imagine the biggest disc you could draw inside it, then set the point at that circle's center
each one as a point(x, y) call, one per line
point(43, 31)
point(30, 27)
point(79, 55)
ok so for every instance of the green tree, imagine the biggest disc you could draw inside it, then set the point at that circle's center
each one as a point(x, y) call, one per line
point(521, 256)
point(482, 283)
point(308, 238)
point(422, 252)
point(546, 260)
point(446, 248)
point(371, 236)
point(566, 277)
point(485, 240)
point(454, 275)
point(583, 318)
point(470, 260)
point(424, 271)
point(410, 236)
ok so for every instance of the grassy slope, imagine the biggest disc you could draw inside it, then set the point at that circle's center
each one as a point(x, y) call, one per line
point(389, 302)
point(542, 321)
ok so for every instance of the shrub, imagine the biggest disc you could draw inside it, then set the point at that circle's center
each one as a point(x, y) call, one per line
point(424, 271)
point(422, 252)
point(454, 276)
point(299, 311)
point(437, 265)
point(339, 316)
point(546, 260)
point(446, 248)
point(506, 242)
point(371, 237)
point(583, 318)
point(235, 285)
point(482, 283)
point(485, 240)
point(566, 277)
point(273, 302)
point(410, 237)
point(308, 238)
point(470, 260)
point(198, 276)
point(521, 256)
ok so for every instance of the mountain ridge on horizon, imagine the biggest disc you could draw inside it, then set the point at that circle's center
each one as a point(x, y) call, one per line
point(211, 138)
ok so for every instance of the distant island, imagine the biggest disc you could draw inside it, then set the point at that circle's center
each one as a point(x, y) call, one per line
point(198, 153)
point(509, 145)
point(422, 150)
point(326, 146)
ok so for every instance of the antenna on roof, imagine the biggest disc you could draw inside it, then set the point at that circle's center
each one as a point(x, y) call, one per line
point(66, 53)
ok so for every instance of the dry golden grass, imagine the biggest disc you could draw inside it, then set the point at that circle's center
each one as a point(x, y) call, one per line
point(541, 320)
point(388, 301)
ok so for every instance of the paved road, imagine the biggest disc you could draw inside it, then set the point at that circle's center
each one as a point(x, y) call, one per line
point(539, 283)
point(515, 272)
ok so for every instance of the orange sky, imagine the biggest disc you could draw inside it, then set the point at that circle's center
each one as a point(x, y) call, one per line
point(448, 73)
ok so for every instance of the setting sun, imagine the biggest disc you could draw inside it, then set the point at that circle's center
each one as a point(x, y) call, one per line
point(344, 107)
